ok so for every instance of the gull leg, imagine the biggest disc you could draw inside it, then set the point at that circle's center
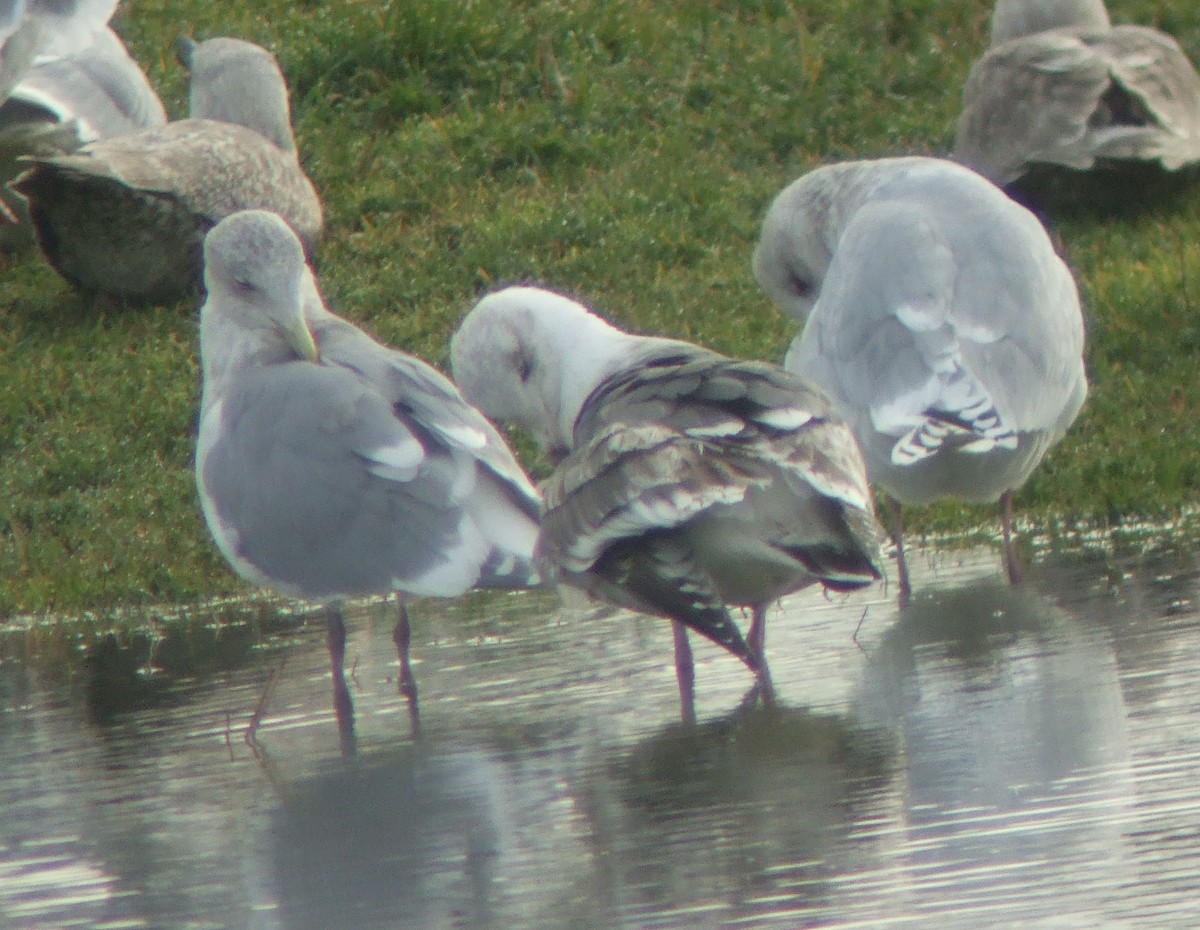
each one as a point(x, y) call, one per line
point(407, 685)
point(898, 539)
point(1010, 553)
point(685, 673)
point(756, 642)
point(343, 706)
point(260, 709)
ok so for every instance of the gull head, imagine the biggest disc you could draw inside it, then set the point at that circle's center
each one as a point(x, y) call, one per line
point(254, 271)
point(530, 357)
point(234, 81)
point(793, 251)
point(1015, 19)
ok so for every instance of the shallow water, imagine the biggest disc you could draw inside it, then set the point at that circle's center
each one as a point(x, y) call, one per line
point(987, 756)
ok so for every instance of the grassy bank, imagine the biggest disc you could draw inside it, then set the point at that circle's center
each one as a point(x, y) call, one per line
point(625, 151)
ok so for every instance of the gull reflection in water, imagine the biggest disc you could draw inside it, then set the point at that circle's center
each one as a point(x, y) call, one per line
point(1012, 722)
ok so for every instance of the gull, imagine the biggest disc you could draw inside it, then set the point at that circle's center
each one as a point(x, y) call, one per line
point(937, 317)
point(29, 28)
point(688, 480)
point(1059, 85)
point(331, 467)
point(89, 91)
point(127, 216)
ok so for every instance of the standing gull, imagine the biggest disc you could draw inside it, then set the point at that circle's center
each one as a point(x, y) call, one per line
point(1060, 86)
point(332, 467)
point(127, 216)
point(689, 480)
point(92, 91)
point(938, 318)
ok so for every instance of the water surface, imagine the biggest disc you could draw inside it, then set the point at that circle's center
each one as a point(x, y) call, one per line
point(987, 756)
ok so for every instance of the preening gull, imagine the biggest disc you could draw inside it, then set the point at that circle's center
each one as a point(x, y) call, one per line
point(1060, 86)
point(331, 467)
point(127, 216)
point(689, 480)
point(92, 91)
point(938, 318)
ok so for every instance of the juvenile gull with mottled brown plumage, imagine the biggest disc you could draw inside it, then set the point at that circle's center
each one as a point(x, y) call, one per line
point(690, 480)
point(127, 216)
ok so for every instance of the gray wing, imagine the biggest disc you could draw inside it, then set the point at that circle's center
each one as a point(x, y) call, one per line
point(429, 397)
point(1067, 99)
point(127, 215)
point(100, 85)
point(45, 27)
point(319, 488)
point(503, 504)
point(952, 321)
point(20, 40)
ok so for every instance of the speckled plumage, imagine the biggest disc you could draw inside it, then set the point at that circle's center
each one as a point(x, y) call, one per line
point(127, 216)
point(691, 480)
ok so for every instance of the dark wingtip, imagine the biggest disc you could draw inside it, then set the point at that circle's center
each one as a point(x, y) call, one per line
point(185, 51)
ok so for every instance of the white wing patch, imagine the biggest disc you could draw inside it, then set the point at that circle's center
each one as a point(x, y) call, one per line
point(965, 416)
point(650, 512)
point(466, 436)
point(397, 461)
point(922, 317)
point(784, 418)
point(730, 427)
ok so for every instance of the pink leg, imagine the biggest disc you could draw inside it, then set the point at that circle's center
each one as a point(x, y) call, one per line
point(402, 637)
point(898, 539)
point(685, 673)
point(343, 706)
point(756, 642)
point(1010, 552)
point(260, 709)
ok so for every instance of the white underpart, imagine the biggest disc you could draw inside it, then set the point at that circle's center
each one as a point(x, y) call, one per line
point(458, 568)
point(499, 522)
point(227, 538)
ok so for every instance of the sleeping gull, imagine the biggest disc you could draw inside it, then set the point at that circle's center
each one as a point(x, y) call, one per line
point(64, 101)
point(939, 320)
point(1060, 86)
point(127, 216)
point(690, 480)
point(330, 466)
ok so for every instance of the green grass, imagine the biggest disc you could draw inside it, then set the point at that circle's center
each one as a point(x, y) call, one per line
point(624, 151)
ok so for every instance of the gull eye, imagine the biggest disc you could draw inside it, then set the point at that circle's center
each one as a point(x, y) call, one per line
point(243, 285)
point(799, 286)
point(524, 369)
